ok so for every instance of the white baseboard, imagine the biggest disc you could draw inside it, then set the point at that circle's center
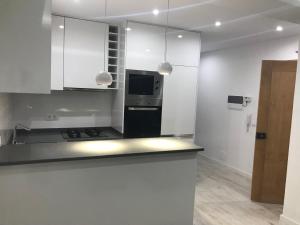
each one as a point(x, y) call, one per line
point(287, 221)
point(243, 173)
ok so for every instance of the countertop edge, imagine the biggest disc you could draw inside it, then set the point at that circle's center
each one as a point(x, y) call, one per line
point(79, 158)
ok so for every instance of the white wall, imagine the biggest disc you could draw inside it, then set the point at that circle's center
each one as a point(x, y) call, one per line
point(73, 109)
point(5, 118)
point(291, 211)
point(234, 71)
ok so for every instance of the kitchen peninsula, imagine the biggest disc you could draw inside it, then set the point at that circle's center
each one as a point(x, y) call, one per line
point(149, 181)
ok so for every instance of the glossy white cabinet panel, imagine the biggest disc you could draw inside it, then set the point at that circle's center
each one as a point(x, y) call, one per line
point(183, 47)
point(57, 53)
point(179, 101)
point(25, 46)
point(145, 46)
point(84, 52)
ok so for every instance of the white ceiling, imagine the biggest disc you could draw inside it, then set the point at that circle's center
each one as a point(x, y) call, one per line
point(243, 21)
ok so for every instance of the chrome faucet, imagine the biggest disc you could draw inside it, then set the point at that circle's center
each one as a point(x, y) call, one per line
point(18, 126)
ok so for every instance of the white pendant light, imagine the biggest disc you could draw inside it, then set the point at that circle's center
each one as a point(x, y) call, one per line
point(166, 68)
point(105, 77)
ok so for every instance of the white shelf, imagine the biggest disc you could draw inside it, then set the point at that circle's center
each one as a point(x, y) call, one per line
point(113, 39)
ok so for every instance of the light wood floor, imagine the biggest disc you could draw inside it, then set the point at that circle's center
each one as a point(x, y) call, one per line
point(223, 198)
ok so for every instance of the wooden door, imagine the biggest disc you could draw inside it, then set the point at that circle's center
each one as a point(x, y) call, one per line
point(273, 131)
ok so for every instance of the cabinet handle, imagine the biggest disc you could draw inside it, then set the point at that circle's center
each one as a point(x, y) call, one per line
point(261, 136)
point(142, 109)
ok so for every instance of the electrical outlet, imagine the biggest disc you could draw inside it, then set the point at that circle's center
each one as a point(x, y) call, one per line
point(51, 117)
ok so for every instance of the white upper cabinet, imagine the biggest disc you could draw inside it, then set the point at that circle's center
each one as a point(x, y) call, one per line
point(179, 101)
point(57, 53)
point(84, 53)
point(145, 46)
point(183, 47)
point(25, 46)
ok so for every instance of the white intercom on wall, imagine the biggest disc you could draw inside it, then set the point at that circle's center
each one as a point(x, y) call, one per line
point(238, 102)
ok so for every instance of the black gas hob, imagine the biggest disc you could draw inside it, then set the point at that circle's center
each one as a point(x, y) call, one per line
point(94, 133)
point(56, 135)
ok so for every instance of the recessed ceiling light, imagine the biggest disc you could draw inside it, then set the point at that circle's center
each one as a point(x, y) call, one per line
point(218, 23)
point(180, 36)
point(155, 12)
point(128, 28)
point(61, 26)
point(279, 28)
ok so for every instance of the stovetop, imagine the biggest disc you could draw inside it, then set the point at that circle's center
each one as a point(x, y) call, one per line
point(55, 135)
point(76, 134)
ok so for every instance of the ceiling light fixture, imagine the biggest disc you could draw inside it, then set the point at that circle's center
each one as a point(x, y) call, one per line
point(179, 36)
point(128, 28)
point(105, 77)
point(279, 28)
point(218, 23)
point(61, 26)
point(155, 12)
point(165, 68)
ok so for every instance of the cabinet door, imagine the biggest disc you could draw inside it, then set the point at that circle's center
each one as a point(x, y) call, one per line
point(183, 47)
point(179, 101)
point(25, 46)
point(84, 53)
point(145, 46)
point(57, 53)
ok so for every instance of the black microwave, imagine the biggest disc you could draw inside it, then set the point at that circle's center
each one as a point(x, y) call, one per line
point(143, 88)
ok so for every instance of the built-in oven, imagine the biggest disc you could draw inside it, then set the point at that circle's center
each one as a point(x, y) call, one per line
point(143, 104)
point(142, 122)
point(143, 88)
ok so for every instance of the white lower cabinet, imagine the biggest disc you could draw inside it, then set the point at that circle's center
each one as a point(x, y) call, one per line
point(179, 101)
point(84, 53)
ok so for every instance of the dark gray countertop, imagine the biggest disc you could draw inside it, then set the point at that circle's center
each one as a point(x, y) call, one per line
point(51, 152)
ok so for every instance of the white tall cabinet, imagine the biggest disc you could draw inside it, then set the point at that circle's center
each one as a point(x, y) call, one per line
point(84, 53)
point(57, 53)
point(179, 101)
point(145, 46)
point(25, 46)
point(145, 51)
point(183, 48)
point(180, 88)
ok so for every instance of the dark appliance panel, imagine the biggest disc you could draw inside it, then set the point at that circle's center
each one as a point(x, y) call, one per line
point(143, 88)
point(141, 122)
point(140, 85)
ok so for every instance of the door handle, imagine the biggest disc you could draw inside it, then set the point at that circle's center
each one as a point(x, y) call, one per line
point(261, 135)
point(142, 109)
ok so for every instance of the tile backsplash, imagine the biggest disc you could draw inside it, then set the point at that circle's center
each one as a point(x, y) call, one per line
point(5, 118)
point(63, 109)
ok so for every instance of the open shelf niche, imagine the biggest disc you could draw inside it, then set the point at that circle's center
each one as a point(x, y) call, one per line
point(113, 54)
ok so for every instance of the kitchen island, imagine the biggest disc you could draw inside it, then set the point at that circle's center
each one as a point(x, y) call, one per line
point(149, 181)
